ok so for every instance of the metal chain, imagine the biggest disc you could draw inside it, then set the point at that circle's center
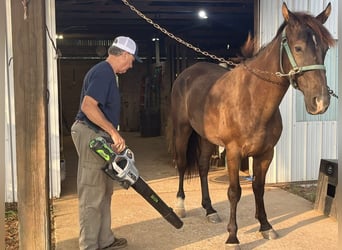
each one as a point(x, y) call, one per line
point(198, 50)
point(332, 93)
point(259, 73)
point(178, 39)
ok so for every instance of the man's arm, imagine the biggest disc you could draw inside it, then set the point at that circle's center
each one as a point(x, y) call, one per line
point(91, 109)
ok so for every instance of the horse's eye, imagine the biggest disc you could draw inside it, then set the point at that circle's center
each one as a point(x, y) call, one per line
point(298, 49)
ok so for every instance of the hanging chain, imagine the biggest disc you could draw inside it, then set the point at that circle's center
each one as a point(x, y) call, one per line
point(178, 39)
point(198, 50)
point(332, 93)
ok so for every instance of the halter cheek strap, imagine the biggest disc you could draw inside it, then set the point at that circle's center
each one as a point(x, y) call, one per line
point(295, 69)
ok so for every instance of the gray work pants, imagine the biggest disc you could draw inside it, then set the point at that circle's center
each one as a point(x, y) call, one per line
point(94, 189)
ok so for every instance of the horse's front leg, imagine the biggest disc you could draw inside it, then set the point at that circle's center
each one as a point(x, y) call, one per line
point(207, 150)
point(260, 167)
point(234, 195)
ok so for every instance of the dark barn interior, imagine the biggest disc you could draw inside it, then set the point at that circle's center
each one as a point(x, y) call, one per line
point(170, 37)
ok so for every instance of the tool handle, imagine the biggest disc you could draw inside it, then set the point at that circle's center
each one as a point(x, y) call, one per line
point(141, 187)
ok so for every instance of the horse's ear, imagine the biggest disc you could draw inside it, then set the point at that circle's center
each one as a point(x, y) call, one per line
point(286, 13)
point(325, 14)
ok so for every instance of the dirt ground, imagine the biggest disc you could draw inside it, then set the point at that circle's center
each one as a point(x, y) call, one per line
point(293, 217)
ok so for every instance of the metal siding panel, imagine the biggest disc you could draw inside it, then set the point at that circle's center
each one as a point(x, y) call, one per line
point(10, 169)
point(299, 139)
point(271, 176)
point(295, 5)
point(280, 170)
point(332, 79)
point(329, 140)
point(314, 150)
point(286, 107)
point(283, 156)
point(312, 141)
point(10, 138)
point(302, 144)
point(316, 7)
point(269, 24)
point(331, 23)
point(53, 108)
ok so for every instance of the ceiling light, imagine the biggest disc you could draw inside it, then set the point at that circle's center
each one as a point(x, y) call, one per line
point(202, 14)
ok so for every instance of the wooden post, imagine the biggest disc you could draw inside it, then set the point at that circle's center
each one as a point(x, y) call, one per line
point(30, 86)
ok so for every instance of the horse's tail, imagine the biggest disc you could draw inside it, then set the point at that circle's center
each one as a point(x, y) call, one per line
point(169, 136)
point(193, 149)
point(192, 154)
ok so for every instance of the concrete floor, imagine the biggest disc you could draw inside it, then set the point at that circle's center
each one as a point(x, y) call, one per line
point(298, 225)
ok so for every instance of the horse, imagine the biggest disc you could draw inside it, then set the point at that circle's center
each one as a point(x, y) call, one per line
point(239, 110)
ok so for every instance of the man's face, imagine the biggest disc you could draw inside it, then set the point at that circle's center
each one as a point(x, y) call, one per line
point(126, 62)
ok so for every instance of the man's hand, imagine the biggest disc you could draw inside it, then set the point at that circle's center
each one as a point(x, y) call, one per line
point(119, 143)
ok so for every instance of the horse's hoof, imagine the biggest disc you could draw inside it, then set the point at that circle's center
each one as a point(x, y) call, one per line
point(232, 247)
point(214, 218)
point(180, 212)
point(269, 234)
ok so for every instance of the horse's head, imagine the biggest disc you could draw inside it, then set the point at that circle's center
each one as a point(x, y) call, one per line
point(306, 41)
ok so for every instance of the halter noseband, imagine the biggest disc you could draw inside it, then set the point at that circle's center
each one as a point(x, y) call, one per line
point(295, 69)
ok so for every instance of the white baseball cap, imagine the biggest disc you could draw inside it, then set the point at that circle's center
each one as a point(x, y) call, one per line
point(127, 44)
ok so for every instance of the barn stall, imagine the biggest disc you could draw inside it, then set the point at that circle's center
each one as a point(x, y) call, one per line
point(297, 156)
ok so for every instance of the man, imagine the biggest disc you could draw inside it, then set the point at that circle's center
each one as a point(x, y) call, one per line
point(99, 115)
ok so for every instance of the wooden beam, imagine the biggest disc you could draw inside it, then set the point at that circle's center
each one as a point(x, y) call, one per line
point(124, 10)
point(30, 80)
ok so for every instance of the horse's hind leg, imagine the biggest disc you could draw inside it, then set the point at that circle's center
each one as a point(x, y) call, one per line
point(207, 150)
point(260, 167)
point(181, 138)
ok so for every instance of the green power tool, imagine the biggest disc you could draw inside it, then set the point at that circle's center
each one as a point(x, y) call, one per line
point(121, 167)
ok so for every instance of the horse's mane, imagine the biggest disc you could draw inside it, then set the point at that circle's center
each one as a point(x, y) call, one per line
point(248, 48)
point(315, 25)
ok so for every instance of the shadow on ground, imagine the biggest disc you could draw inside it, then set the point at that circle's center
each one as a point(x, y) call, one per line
point(298, 225)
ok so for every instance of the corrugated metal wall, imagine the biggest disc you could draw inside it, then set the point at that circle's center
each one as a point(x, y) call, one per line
point(10, 140)
point(303, 142)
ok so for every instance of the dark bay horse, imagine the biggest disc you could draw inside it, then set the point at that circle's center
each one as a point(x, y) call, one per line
point(239, 109)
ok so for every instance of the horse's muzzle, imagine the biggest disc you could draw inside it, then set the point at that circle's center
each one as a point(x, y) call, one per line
point(319, 105)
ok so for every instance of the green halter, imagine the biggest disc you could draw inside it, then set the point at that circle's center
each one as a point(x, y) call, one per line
point(295, 69)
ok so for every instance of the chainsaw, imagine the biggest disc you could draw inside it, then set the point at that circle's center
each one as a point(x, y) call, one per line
point(121, 167)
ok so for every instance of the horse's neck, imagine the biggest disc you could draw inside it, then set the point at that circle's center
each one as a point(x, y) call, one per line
point(270, 58)
point(264, 65)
